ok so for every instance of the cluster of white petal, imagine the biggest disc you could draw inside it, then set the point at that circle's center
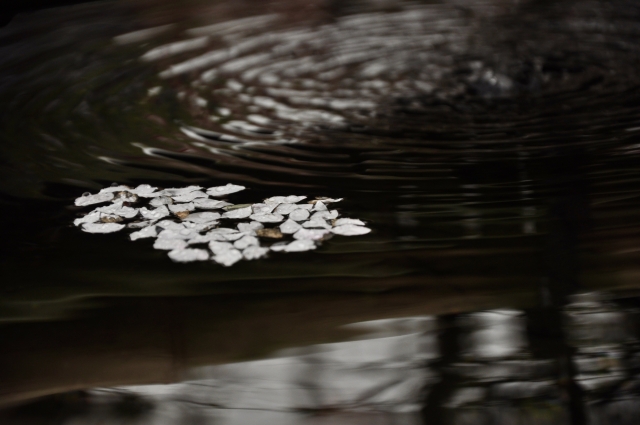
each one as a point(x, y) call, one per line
point(183, 221)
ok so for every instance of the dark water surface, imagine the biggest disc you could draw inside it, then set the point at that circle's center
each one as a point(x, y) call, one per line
point(493, 147)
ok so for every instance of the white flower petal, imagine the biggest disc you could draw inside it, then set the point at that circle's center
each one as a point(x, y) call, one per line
point(92, 217)
point(144, 191)
point(118, 188)
point(224, 190)
point(311, 224)
point(169, 244)
point(160, 200)
point(232, 236)
point(220, 247)
point(267, 218)
point(329, 200)
point(188, 197)
point(156, 214)
point(311, 234)
point(178, 234)
point(119, 210)
point(262, 208)
point(238, 213)
point(102, 227)
point(289, 227)
point(224, 231)
point(177, 191)
point(147, 232)
point(141, 224)
point(350, 230)
point(325, 215)
point(246, 241)
point(202, 217)
point(254, 252)
point(228, 257)
point(186, 255)
point(250, 227)
point(280, 246)
point(286, 209)
point(201, 227)
point(209, 204)
point(176, 208)
point(170, 225)
point(89, 199)
point(292, 199)
point(319, 206)
point(341, 221)
point(299, 215)
point(300, 245)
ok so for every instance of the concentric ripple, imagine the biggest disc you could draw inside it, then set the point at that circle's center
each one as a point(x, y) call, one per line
point(469, 132)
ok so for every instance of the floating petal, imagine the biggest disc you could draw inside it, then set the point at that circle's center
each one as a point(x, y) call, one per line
point(201, 227)
point(147, 232)
point(238, 213)
point(289, 227)
point(144, 191)
point(161, 200)
point(326, 200)
point(316, 224)
point(161, 212)
point(92, 217)
point(280, 246)
point(224, 190)
point(250, 227)
point(117, 188)
point(176, 208)
point(299, 215)
point(220, 247)
point(170, 225)
point(267, 218)
point(228, 258)
point(102, 227)
point(202, 217)
point(184, 234)
point(350, 230)
point(262, 208)
point(246, 241)
point(188, 197)
point(89, 199)
point(311, 234)
point(119, 210)
point(140, 224)
point(319, 206)
point(186, 255)
point(169, 244)
point(232, 236)
point(300, 245)
point(286, 209)
point(177, 191)
point(292, 199)
point(341, 221)
point(254, 252)
point(325, 215)
point(209, 204)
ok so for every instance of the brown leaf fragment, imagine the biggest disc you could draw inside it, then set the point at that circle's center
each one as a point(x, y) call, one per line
point(269, 233)
point(110, 219)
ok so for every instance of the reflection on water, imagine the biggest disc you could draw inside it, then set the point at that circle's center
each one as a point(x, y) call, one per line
point(491, 146)
point(399, 371)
